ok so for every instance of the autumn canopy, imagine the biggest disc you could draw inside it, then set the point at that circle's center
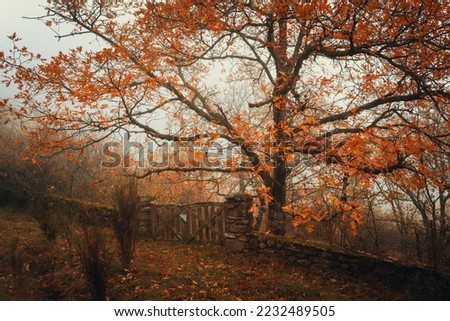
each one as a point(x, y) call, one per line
point(327, 91)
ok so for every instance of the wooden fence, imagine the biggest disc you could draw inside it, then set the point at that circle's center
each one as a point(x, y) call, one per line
point(190, 222)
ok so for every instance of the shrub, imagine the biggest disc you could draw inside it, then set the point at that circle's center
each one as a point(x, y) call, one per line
point(124, 219)
point(46, 219)
point(94, 256)
point(16, 260)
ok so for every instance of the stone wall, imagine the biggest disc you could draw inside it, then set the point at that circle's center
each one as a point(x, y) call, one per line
point(238, 224)
point(76, 210)
point(422, 282)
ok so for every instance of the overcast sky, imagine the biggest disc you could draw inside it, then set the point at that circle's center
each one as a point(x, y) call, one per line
point(35, 35)
point(39, 38)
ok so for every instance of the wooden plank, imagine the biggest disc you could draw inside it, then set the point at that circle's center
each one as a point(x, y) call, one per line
point(213, 223)
point(210, 226)
point(163, 219)
point(168, 225)
point(183, 225)
point(216, 224)
point(178, 228)
point(197, 225)
point(203, 218)
point(160, 231)
point(177, 224)
point(157, 226)
point(150, 217)
point(222, 225)
point(190, 225)
point(171, 225)
point(193, 225)
point(199, 229)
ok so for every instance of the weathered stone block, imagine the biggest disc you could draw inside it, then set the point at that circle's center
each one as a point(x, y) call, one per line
point(252, 243)
point(349, 259)
point(234, 245)
point(286, 246)
point(297, 254)
point(328, 261)
point(319, 268)
point(382, 270)
point(303, 262)
point(308, 251)
point(242, 238)
point(328, 255)
point(291, 259)
point(348, 267)
point(237, 229)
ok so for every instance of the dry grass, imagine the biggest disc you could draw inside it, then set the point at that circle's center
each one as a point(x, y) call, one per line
point(162, 271)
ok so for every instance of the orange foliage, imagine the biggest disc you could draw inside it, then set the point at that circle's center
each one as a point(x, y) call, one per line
point(358, 85)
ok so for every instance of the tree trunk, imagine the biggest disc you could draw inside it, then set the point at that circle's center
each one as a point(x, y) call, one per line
point(277, 216)
point(277, 219)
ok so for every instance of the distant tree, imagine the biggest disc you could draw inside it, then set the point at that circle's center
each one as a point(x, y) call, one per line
point(428, 191)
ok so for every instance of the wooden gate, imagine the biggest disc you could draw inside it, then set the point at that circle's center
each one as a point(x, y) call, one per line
point(190, 222)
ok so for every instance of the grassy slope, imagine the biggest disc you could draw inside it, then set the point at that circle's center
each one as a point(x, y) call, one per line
point(161, 271)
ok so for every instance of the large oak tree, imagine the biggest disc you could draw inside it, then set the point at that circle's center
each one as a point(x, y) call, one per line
point(354, 85)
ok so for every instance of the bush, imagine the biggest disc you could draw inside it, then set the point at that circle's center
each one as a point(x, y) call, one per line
point(94, 257)
point(46, 219)
point(16, 261)
point(125, 219)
